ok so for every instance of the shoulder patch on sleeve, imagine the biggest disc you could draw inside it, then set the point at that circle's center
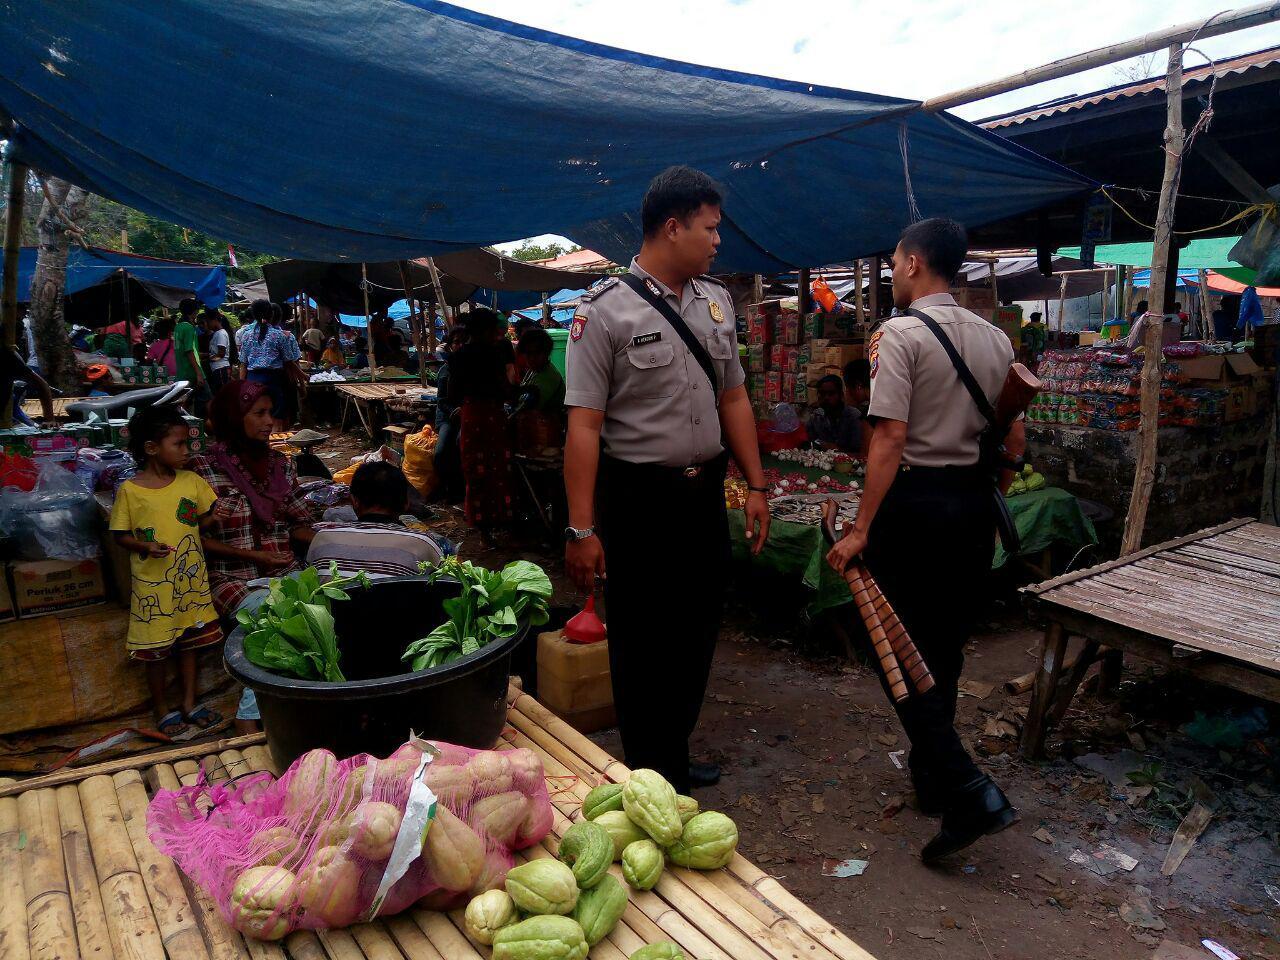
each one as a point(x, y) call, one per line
point(598, 289)
point(873, 351)
point(577, 327)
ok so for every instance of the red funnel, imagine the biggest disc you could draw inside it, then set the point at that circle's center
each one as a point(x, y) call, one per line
point(585, 626)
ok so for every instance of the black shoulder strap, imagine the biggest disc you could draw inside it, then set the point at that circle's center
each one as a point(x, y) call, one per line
point(677, 322)
point(957, 361)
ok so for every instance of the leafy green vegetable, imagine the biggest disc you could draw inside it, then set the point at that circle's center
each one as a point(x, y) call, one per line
point(292, 631)
point(489, 608)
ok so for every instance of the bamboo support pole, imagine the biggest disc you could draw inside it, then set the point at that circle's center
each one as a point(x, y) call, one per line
point(173, 913)
point(130, 763)
point(859, 308)
point(51, 929)
point(995, 291)
point(1149, 409)
point(1062, 304)
point(15, 198)
point(873, 289)
point(373, 353)
point(134, 932)
point(13, 905)
point(1205, 317)
point(439, 289)
point(1227, 21)
point(223, 941)
point(82, 881)
point(415, 323)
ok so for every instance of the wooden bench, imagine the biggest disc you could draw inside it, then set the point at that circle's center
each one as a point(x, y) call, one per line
point(1207, 604)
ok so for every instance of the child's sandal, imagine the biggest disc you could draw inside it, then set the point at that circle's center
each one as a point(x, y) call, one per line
point(203, 717)
point(171, 724)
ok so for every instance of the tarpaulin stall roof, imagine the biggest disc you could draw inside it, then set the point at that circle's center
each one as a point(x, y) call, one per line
point(169, 280)
point(472, 130)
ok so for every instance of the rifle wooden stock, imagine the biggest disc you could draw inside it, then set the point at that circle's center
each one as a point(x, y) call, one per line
point(889, 638)
point(1020, 388)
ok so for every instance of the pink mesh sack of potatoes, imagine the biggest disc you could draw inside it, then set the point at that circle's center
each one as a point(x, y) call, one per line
point(334, 842)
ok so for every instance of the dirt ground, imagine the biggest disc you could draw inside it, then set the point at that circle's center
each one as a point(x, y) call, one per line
point(808, 741)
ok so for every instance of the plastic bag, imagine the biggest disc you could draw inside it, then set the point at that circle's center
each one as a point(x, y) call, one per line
point(54, 520)
point(383, 454)
point(333, 842)
point(17, 471)
point(419, 466)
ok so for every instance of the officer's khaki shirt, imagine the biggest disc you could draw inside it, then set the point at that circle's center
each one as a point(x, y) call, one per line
point(624, 358)
point(912, 379)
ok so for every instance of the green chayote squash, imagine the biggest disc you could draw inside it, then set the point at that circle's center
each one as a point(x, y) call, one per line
point(588, 850)
point(488, 913)
point(542, 886)
point(666, 950)
point(708, 842)
point(541, 938)
point(687, 807)
point(650, 801)
point(599, 909)
point(642, 864)
point(621, 829)
point(601, 799)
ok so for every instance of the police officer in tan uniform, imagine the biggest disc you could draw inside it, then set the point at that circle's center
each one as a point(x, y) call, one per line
point(926, 524)
point(657, 402)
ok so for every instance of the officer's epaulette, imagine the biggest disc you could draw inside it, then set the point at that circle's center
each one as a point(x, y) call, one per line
point(598, 289)
point(718, 282)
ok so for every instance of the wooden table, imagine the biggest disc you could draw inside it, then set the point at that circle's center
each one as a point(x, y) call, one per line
point(1207, 603)
point(362, 395)
point(83, 879)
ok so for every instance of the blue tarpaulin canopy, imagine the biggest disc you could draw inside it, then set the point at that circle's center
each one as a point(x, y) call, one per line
point(471, 130)
point(170, 280)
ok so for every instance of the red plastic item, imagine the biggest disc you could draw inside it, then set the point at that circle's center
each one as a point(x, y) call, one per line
point(585, 626)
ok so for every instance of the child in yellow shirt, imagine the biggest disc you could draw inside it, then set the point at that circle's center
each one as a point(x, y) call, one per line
point(157, 517)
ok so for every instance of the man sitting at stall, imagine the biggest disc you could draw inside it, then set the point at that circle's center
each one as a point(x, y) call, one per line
point(834, 425)
point(378, 542)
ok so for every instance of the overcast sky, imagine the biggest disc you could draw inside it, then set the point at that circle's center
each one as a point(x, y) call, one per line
point(913, 49)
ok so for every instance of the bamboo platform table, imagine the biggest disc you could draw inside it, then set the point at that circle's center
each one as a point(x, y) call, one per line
point(84, 880)
point(1207, 604)
point(362, 396)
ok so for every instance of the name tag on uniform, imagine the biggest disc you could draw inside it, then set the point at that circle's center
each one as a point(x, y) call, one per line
point(644, 338)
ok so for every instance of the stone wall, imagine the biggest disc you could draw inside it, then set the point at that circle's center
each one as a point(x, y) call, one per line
point(1203, 477)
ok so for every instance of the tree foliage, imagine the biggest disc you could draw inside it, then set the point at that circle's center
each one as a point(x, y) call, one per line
point(535, 251)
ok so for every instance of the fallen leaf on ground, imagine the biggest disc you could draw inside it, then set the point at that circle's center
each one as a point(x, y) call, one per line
point(888, 739)
point(924, 933)
point(976, 688)
point(1043, 835)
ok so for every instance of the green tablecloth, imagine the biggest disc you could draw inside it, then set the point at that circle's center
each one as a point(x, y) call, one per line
point(1044, 518)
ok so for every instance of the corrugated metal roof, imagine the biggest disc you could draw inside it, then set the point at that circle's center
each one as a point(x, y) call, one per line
point(1233, 65)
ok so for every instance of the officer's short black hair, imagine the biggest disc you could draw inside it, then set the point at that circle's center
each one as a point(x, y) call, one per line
point(380, 486)
point(677, 192)
point(941, 243)
point(832, 379)
point(534, 342)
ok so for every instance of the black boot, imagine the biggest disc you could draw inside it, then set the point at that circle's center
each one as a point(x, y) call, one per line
point(976, 809)
point(703, 774)
point(929, 797)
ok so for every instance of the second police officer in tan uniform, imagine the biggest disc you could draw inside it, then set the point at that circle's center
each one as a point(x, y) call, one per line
point(926, 524)
point(657, 401)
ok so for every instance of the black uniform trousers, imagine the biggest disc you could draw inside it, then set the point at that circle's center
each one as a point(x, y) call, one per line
point(929, 548)
point(666, 543)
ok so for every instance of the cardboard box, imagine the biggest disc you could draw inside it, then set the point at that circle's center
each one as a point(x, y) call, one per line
point(49, 586)
point(1240, 397)
point(840, 354)
point(790, 329)
point(1089, 337)
point(773, 387)
point(794, 388)
point(760, 331)
point(7, 611)
point(765, 308)
point(757, 358)
point(1219, 369)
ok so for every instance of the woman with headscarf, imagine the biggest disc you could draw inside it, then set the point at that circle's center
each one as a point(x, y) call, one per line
point(267, 352)
point(482, 374)
point(259, 511)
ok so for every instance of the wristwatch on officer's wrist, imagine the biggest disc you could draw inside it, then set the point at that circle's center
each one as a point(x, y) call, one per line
point(757, 489)
point(573, 534)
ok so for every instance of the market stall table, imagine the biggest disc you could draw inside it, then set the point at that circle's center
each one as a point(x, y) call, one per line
point(1207, 604)
point(1045, 518)
point(364, 395)
point(85, 880)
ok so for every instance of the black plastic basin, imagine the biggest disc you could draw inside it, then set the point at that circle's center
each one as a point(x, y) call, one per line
point(464, 702)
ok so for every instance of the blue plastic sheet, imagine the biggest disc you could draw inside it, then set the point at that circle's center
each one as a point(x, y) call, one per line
point(431, 128)
point(92, 266)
